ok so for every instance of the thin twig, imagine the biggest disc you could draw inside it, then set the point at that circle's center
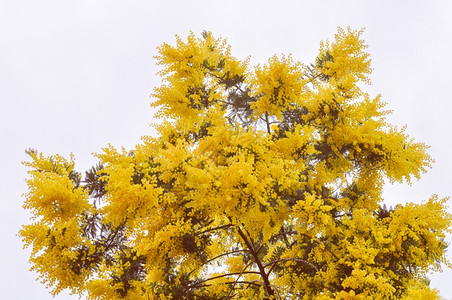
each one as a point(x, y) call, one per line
point(236, 280)
point(215, 228)
point(216, 257)
point(228, 274)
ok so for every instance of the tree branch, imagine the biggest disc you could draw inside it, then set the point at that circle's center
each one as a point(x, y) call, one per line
point(215, 228)
point(268, 123)
point(228, 274)
point(266, 283)
point(255, 282)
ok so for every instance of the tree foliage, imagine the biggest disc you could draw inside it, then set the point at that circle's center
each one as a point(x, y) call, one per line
point(263, 183)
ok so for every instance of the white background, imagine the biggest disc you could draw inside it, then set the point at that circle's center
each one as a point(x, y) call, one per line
point(77, 75)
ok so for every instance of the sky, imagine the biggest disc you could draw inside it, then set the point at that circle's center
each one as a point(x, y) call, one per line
point(77, 75)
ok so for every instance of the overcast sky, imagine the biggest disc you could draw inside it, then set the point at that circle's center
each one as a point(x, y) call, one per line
point(77, 75)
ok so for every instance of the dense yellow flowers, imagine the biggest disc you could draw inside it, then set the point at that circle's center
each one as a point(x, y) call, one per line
point(278, 86)
point(263, 183)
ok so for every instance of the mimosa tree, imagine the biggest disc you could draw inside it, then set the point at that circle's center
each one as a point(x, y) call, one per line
point(262, 183)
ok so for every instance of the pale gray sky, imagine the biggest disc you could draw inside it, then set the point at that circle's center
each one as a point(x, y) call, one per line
point(76, 75)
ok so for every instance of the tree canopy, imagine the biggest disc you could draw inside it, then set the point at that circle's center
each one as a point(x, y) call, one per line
point(262, 183)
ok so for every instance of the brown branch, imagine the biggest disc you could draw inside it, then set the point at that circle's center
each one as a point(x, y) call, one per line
point(254, 253)
point(255, 282)
point(214, 228)
point(267, 121)
point(229, 274)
